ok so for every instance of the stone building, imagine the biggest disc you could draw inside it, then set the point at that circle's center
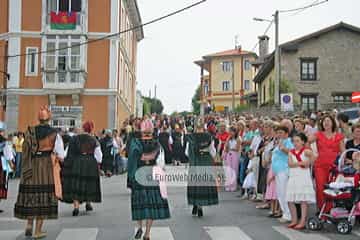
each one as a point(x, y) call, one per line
point(320, 69)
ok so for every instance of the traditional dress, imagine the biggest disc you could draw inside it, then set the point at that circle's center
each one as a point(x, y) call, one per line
point(36, 197)
point(178, 146)
point(146, 201)
point(165, 141)
point(108, 158)
point(201, 152)
point(81, 180)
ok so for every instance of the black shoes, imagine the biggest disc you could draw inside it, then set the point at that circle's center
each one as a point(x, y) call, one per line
point(88, 207)
point(195, 210)
point(75, 212)
point(28, 232)
point(145, 238)
point(200, 212)
point(139, 233)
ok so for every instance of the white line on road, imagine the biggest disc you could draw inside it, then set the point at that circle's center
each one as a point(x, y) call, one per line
point(357, 233)
point(78, 234)
point(160, 233)
point(297, 235)
point(10, 219)
point(224, 233)
point(10, 234)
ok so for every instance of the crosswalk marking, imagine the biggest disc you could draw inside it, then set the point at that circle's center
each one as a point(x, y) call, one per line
point(10, 219)
point(222, 233)
point(160, 233)
point(78, 234)
point(297, 235)
point(10, 234)
point(357, 233)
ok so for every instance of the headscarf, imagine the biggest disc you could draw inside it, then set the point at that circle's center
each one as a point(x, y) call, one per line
point(88, 126)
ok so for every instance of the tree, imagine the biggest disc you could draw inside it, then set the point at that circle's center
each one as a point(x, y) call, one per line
point(195, 102)
point(152, 105)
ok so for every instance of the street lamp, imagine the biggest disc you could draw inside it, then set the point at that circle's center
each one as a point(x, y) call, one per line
point(277, 55)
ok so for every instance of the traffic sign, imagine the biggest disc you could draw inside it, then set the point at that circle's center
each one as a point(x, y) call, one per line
point(355, 98)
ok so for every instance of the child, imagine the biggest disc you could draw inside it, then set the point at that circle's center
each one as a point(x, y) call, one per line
point(249, 182)
point(300, 188)
point(271, 196)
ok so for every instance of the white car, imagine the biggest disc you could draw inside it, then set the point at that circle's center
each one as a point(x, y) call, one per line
point(353, 114)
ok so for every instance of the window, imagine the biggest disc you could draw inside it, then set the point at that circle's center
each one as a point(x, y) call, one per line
point(63, 66)
point(247, 65)
point(264, 94)
point(308, 69)
point(247, 84)
point(342, 98)
point(226, 86)
point(64, 5)
point(206, 88)
point(309, 102)
point(31, 61)
point(226, 66)
point(63, 123)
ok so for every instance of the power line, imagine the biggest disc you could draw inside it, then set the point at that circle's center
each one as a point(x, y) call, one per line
point(300, 11)
point(114, 34)
point(316, 3)
point(265, 32)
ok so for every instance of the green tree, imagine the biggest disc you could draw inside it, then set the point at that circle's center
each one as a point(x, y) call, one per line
point(152, 105)
point(195, 102)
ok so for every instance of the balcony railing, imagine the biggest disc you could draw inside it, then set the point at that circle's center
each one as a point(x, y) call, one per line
point(64, 80)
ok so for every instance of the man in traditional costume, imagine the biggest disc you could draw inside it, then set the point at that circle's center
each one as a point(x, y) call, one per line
point(148, 202)
point(201, 152)
point(6, 163)
point(166, 143)
point(81, 179)
point(37, 191)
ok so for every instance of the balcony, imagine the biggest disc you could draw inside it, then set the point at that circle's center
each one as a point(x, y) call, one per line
point(61, 81)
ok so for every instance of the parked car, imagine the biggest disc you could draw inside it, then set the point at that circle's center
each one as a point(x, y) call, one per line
point(353, 114)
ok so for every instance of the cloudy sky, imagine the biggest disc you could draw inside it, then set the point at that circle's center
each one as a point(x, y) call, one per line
point(170, 47)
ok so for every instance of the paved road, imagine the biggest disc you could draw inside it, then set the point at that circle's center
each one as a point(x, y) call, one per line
point(233, 219)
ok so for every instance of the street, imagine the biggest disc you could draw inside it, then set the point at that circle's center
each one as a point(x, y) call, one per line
point(233, 219)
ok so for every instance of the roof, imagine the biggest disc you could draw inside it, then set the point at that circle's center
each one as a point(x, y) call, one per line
point(341, 25)
point(293, 45)
point(231, 52)
point(136, 18)
point(265, 68)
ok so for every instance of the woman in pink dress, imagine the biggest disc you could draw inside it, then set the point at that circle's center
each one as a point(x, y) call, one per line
point(232, 148)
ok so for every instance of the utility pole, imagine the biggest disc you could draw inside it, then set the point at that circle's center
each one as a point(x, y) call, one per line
point(277, 61)
point(233, 85)
point(155, 88)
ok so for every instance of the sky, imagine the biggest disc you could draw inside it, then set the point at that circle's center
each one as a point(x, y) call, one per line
point(166, 56)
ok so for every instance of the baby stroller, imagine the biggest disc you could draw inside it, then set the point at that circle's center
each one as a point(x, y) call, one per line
point(345, 200)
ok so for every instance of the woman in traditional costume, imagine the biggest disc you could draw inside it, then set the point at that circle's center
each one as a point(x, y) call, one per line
point(81, 179)
point(37, 198)
point(201, 152)
point(148, 201)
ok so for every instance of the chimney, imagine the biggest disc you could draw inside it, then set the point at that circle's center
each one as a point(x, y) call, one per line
point(263, 46)
point(238, 47)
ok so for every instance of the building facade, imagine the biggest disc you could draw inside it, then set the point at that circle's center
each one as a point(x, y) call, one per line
point(44, 49)
point(320, 69)
point(218, 73)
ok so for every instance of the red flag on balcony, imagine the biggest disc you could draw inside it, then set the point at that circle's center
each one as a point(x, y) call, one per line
point(63, 20)
point(355, 97)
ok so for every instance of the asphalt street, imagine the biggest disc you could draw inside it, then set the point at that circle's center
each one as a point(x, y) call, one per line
point(232, 219)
